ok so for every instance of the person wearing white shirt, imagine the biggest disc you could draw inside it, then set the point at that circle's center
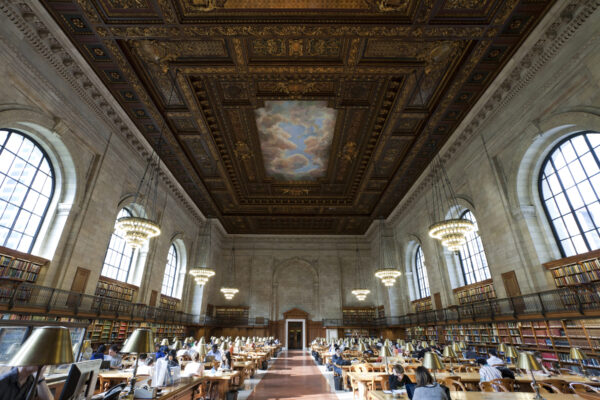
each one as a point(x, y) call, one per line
point(193, 368)
point(494, 360)
point(488, 373)
point(214, 352)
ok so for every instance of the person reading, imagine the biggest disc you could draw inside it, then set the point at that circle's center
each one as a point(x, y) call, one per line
point(398, 378)
point(18, 381)
point(427, 388)
point(115, 358)
point(215, 353)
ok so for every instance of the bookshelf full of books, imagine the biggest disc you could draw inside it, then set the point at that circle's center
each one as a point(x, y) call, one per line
point(480, 291)
point(359, 315)
point(111, 331)
point(552, 338)
point(423, 304)
point(169, 303)
point(576, 270)
point(20, 267)
point(114, 289)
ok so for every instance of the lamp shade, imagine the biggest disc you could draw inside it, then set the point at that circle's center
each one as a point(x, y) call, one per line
point(456, 347)
point(140, 341)
point(432, 361)
point(177, 345)
point(424, 344)
point(576, 354)
point(502, 347)
point(385, 351)
point(361, 347)
point(202, 351)
point(528, 361)
point(462, 345)
point(432, 343)
point(511, 352)
point(449, 352)
point(410, 347)
point(164, 342)
point(47, 345)
point(202, 341)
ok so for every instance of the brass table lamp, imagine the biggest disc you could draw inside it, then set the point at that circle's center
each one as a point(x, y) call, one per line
point(361, 347)
point(433, 362)
point(410, 347)
point(456, 347)
point(48, 345)
point(385, 353)
point(576, 354)
point(528, 361)
point(141, 341)
point(449, 353)
point(511, 353)
point(165, 342)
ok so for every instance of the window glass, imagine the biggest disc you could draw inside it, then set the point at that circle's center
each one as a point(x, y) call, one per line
point(119, 256)
point(570, 189)
point(171, 269)
point(421, 269)
point(472, 256)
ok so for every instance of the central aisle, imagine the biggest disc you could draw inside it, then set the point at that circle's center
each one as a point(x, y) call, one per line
point(294, 375)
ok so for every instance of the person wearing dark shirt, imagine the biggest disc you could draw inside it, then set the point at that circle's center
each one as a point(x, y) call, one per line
point(99, 354)
point(16, 384)
point(172, 358)
point(398, 378)
point(337, 360)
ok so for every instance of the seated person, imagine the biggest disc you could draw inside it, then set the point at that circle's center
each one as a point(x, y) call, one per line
point(493, 359)
point(368, 351)
point(214, 352)
point(427, 389)
point(99, 354)
point(226, 363)
point(338, 360)
point(16, 383)
point(398, 378)
point(172, 359)
point(115, 358)
point(194, 367)
point(487, 373)
point(145, 365)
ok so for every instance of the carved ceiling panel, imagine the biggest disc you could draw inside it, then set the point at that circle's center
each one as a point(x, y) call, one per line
point(231, 83)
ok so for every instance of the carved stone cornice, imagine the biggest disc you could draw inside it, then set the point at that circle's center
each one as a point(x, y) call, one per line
point(40, 31)
point(568, 20)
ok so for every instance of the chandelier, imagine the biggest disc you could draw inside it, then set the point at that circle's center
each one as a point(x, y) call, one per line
point(230, 291)
point(387, 275)
point(361, 294)
point(450, 230)
point(202, 275)
point(137, 231)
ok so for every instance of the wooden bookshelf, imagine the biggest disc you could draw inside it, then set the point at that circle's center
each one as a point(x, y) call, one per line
point(575, 270)
point(20, 267)
point(358, 315)
point(423, 304)
point(114, 289)
point(169, 303)
point(233, 313)
point(110, 331)
point(480, 291)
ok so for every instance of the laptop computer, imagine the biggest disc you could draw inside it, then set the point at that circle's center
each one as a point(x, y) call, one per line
point(105, 364)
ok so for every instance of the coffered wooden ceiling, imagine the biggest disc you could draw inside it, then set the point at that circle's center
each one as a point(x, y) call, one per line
point(395, 77)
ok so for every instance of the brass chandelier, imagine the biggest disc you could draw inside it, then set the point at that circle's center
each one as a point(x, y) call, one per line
point(361, 294)
point(450, 230)
point(203, 274)
point(230, 291)
point(387, 275)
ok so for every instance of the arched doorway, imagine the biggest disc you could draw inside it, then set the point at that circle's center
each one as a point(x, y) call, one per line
point(295, 329)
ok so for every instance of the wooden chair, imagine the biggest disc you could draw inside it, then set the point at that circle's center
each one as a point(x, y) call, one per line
point(454, 385)
point(566, 371)
point(461, 368)
point(355, 388)
point(506, 383)
point(486, 387)
point(545, 388)
point(582, 388)
point(472, 369)
point(560, 384)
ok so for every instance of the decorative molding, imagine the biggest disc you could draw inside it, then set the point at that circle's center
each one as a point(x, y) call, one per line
point(37, 30)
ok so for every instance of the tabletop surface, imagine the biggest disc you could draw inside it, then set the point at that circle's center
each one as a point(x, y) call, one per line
point(380, 395)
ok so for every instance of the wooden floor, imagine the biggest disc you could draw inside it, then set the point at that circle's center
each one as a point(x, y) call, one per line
point(294, 375)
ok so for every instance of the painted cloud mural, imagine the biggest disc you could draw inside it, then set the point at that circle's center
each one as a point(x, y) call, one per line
point(295, 137)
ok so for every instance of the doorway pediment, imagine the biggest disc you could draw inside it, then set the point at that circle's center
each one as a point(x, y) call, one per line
point(295, 313)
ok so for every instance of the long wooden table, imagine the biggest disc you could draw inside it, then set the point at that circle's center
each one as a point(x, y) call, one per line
point(379, 395)
point(223, 382)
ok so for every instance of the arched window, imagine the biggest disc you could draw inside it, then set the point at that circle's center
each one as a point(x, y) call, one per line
point(472, 257)
point(119, 256)
point(171, 270)
point(26, 187)
point(421, 270)
point(570, 189)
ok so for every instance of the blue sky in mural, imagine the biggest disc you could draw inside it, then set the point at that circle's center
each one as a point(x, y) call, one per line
point(295, 138)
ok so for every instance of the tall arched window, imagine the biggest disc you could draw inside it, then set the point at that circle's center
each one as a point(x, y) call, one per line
point(119, 256)
point(570, 189)
point(472, 257)
point(171, 270)
point(421, 270)
point(26, 187)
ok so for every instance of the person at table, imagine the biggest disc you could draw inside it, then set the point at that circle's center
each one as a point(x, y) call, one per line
point(493, 359)
point(99, 354)
point(227, 363)
point(16, 383)
point(487, 373)
point(116, 361)
point(368, 351)
point(214, 352)
point(427, 388)
point(145, 365)
point(398, 378)
point(172, 359)
point(194, 367)
point(338, 360)
point(161, 352)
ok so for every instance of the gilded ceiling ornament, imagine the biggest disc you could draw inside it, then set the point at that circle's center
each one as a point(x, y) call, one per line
point(207, 5)
point(464, 4)
point(154, 52)
point(295, 192)
point(296, 87)
point(349, 152)
point(391, 5)
point(242, 151)
point(128, 3)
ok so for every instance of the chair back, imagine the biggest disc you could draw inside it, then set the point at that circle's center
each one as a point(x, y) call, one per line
point(486, 387)
point(505, 383)
point(545, 388)
point(582, 388)
point(561, 385)
point(454, 385)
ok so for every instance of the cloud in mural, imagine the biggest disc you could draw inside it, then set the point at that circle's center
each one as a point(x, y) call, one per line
point(295, 137)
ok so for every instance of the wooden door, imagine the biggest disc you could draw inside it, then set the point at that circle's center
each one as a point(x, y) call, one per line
point(153, 296)
point(437, 297)
point(78, 285)
point(511, 285)
point(294, 335)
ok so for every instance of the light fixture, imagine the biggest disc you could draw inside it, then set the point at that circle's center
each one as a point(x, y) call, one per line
point(360, 293)
point(387, 275)
point(527, 361)
point(451, 229)
point(432, 362)
point(575, 353)
point(141, 341)
point(138, 230)
point(203, 274)
point(229, 291)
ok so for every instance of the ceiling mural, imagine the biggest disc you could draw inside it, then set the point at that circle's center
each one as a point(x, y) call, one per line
point(297, 116)
point(295, 137)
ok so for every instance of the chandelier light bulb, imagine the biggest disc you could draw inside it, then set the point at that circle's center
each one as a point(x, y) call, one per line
point(452, 232)
point(229, 293)
point(361, 294)
point(388, 276)
point(202, 275)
